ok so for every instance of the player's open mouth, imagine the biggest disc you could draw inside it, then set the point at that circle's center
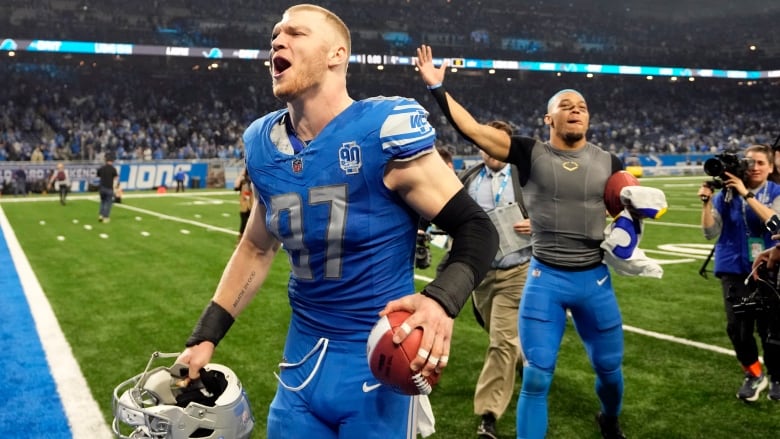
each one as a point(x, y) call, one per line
point(280, 65)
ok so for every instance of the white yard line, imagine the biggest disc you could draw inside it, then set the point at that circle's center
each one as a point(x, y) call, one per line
point(178, 219)
point(81, 409)
point(656, 335)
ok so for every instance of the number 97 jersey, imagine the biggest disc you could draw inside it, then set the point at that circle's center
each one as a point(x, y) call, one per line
point(350, 240)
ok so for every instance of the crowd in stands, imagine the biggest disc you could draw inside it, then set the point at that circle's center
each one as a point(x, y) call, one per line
point(80, 113)
point(144, 108)
point(689, 33)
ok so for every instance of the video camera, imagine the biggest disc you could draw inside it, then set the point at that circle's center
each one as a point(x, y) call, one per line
point(422, 251)
point(763, 296)
point(717, 167)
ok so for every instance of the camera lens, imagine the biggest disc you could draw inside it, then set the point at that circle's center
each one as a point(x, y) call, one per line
point(714, 167)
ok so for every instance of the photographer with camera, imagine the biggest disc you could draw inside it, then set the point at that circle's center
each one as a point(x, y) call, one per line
point(738, 215)
point(425, 229)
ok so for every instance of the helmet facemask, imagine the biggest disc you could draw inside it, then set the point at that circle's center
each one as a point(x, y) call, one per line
point(164, 403)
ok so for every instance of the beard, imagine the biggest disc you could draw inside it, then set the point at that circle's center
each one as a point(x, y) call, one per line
point(289, 89)
point(571, 137)
point(295, 85)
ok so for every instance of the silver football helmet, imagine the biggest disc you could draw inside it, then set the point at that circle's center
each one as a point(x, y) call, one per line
point(162, 403)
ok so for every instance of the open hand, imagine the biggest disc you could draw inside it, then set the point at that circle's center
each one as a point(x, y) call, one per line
point(424, 62)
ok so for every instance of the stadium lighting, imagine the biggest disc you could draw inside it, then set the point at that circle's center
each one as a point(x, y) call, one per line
point(129, 49)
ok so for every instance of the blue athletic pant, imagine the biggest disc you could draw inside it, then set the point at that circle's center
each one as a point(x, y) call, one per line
point(549, 292)
point(341, 401)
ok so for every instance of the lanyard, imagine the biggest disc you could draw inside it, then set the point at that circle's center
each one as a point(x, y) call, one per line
point(501, 188)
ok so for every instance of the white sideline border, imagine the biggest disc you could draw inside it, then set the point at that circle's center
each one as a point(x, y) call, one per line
point(83, 413)
point(627, 328)
point(81, 410)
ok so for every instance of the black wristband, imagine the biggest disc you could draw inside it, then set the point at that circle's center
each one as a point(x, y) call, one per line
point(748, 195)
point(212, 326)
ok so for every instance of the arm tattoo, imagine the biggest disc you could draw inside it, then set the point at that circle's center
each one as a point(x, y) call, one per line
point(244, 289)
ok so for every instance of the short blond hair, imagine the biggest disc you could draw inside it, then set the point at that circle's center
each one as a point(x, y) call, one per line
point(331, 18)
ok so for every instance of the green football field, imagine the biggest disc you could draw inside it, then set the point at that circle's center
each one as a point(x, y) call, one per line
point(136, 285)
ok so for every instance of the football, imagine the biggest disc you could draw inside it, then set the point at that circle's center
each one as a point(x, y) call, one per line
point(615, 184)
point(389, 362)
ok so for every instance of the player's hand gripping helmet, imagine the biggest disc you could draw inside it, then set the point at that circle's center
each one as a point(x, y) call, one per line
point(162, 403)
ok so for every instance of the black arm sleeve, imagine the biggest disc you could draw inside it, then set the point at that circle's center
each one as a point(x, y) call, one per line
point(440, 94)
point(474, 245)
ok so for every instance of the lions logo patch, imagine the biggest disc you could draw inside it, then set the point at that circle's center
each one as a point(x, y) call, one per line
point(350, 159)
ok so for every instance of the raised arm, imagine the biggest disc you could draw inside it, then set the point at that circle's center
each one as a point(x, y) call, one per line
point(491, 140)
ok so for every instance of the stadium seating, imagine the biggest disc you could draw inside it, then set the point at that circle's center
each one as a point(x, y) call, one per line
point(616, 32)
point(140, 107)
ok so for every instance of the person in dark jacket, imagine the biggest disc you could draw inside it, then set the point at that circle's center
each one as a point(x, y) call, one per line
point(109, 177)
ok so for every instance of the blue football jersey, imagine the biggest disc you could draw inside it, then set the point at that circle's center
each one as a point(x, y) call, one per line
point(350, 240)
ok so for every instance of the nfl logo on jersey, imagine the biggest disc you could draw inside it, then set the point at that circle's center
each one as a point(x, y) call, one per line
point(297, 165)
point(349, 158)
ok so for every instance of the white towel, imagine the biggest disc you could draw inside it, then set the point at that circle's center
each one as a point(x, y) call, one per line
point(425, 420)
point(623, 234)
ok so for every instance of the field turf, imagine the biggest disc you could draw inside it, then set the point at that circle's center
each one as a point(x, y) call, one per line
point(136, 285)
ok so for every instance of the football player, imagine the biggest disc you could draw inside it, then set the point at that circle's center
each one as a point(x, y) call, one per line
point(341, 184)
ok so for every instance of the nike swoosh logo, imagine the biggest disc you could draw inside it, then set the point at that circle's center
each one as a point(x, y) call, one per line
point(602, 280)
point(367, 388)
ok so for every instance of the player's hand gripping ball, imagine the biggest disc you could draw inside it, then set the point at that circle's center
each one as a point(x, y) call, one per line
point(389, 362)
point(615, 184)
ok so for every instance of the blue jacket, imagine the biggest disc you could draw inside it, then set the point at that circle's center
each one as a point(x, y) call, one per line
point(741, 223)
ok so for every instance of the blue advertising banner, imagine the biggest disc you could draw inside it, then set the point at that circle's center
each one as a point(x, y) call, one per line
point(144, 176)
point(132, 176)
